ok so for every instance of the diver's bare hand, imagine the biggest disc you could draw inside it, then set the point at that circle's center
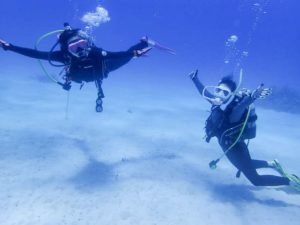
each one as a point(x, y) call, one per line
point(3, 44)
point(193, 74)
point(261, 92)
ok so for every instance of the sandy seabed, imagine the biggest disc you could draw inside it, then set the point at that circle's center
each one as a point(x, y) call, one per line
point(141, 161)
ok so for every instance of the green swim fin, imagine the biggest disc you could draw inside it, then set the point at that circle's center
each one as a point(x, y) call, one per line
point(294, 182)
point(276, 166)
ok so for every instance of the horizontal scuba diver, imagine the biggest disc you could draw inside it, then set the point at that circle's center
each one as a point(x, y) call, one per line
point(232, 121)
point(83, 61)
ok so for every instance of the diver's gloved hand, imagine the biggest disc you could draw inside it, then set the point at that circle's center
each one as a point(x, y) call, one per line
point(261, 92)
point(4, 44)
point(141, 52)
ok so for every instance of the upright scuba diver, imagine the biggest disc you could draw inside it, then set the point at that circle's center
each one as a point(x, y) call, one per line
point(83, 61)
point(232, 121)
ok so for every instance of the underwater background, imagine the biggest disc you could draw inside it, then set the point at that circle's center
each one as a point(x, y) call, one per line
point(144, 160)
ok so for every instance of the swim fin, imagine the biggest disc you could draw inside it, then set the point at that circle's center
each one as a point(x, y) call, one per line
point(276, 166)
point(294, 182)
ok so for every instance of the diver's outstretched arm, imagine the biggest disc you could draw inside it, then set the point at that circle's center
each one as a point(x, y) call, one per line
point(54, 56)
point(115, 55)
point(198, 84)
point(125, 54)
point(259, 93)
point(115, 60)
point(136, 50)
point(239, 110)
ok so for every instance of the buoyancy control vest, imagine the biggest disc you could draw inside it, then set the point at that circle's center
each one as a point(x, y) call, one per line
point(218, 123)
point(88, 69)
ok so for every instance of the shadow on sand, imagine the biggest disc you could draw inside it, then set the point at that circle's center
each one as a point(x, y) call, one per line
point(93, 176)
point(237, 194)
point(98, 174)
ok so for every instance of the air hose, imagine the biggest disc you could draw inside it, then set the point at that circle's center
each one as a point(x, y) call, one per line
point(39, 61)
point(213, 163)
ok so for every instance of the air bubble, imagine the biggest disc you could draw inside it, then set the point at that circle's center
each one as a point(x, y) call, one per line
point(94, 19)
point(233, 39)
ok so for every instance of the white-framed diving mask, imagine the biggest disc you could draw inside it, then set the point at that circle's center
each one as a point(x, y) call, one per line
point(217, 95)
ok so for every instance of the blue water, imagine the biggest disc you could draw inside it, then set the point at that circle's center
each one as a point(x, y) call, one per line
point(197, 30)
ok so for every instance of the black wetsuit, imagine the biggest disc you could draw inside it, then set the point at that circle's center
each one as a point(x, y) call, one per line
point(95, 67)
point(239, 155)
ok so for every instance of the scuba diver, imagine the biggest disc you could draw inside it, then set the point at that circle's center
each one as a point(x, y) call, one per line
point(233, 121)
point(82, 60)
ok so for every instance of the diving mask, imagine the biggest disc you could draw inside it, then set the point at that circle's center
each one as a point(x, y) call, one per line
point(222, 91)
point(79, 47)
point(217, 95)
